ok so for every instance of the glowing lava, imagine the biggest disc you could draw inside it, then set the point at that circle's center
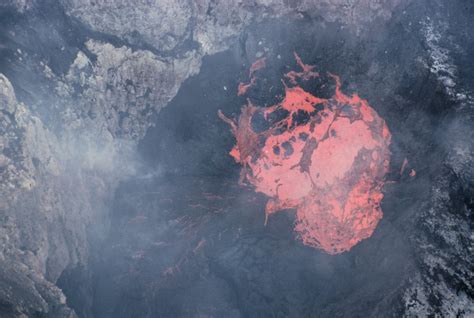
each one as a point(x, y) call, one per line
point(330, 166)
point(257, 65)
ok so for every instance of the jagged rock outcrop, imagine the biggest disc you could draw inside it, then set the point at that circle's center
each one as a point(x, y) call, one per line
point(173, 26)
point(26, 243)
point(123, 88)
point(445, 240)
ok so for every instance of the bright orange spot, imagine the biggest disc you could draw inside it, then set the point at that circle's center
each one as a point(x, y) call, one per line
point(330, 168)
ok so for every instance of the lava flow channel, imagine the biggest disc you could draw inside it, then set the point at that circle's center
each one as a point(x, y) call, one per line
point(329, 167)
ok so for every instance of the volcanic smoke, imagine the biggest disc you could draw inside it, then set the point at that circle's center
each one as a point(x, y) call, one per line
point(326, 158)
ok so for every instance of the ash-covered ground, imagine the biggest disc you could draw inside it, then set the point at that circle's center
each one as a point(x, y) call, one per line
point(120, 198)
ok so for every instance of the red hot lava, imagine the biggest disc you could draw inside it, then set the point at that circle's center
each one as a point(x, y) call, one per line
point(257, 65)
point(329, 168)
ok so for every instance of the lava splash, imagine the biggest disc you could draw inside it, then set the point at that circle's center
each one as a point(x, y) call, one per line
point(325, 157)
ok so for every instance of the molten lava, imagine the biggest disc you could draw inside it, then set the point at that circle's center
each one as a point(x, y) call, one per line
point(329, 166)
point(257, 65)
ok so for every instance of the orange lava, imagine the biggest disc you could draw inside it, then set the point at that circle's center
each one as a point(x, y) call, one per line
point(257, 65)
point(306, 73)
point(330, 168)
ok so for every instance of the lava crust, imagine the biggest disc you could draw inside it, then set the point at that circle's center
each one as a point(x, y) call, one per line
point(326, 158)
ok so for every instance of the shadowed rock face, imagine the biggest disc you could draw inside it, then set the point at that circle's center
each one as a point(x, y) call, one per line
point(82, 83)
